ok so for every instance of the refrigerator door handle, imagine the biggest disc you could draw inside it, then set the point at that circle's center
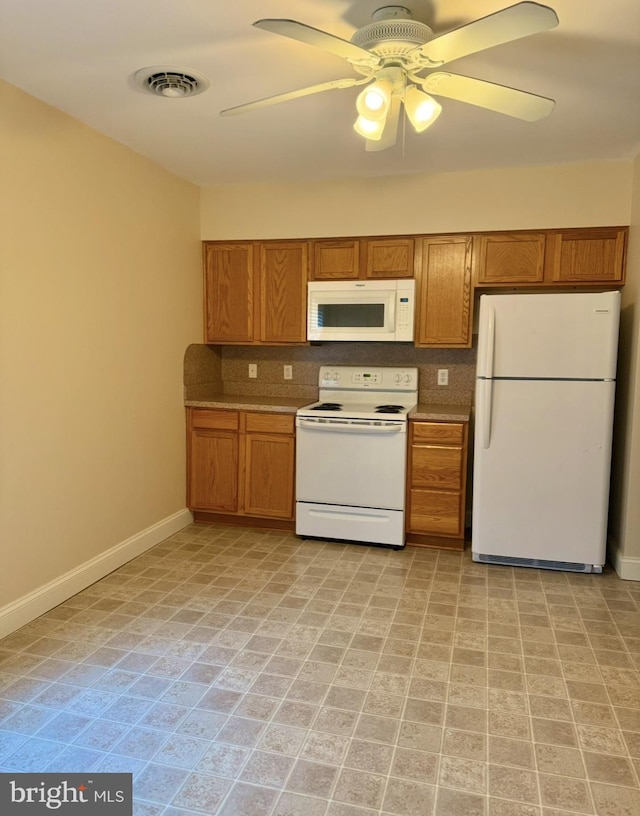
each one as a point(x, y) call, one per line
point(486, 408)
point(490, 340)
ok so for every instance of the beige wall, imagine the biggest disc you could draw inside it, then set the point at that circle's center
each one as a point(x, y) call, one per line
point(100, 295)
point(626, 470)
point(570, 195)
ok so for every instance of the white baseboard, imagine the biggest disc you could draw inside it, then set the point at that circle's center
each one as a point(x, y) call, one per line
point(41, 600)
point(627, 568)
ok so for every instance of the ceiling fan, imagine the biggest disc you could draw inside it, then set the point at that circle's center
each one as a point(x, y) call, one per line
point(392, 52)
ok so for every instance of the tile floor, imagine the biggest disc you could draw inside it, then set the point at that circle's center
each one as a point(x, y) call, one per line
point(245, 673)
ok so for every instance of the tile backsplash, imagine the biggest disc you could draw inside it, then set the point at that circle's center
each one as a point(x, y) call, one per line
point(210, 370)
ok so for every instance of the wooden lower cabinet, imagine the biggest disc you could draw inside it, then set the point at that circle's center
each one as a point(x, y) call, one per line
point(436, 480)
point(269, 465)
point(240, 466)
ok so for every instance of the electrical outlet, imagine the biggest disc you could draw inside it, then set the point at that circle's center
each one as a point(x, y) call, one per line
point(443, 376)
point(253, 370)
point(288, 372)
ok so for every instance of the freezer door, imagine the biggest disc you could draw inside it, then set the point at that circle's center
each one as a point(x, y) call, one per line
point(563, 335)
point(541, 469)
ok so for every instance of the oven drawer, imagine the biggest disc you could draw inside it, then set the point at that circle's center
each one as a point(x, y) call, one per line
point(350, 523)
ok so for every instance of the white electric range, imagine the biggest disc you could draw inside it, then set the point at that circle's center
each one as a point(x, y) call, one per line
point(351, 454)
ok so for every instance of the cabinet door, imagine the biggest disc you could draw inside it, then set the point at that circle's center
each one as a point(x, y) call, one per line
point(389, 258)
point(283, 290)
point(213, 470)
point(269, 475)
point(336, 260)
point(510, 258)
point(444, 314)
point(228, 293)
point(589, 256)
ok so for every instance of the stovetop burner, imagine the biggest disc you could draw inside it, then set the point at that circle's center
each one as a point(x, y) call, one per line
point(389, 409)
point(328, 406)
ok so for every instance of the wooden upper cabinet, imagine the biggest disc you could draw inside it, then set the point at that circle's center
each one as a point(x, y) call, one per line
point(229, 292)
point(588, 256)
point(389, 257)
point(510, 258)
point(336, 260)
point(444, 303)
point(283, 292)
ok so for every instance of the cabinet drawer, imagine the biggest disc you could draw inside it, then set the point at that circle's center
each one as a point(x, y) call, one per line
point(270, 423)
point(444, 433)
point(435, 512)
point(222, 420)
point(436, 467)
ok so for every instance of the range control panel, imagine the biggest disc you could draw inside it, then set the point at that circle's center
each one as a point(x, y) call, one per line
point(357, 377)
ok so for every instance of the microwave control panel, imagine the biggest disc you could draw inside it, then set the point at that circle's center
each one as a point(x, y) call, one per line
point(404, 312)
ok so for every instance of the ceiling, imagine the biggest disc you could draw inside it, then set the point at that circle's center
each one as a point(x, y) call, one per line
point(80, 55)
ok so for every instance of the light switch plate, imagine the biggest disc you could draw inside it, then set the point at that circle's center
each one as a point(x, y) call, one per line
point(253, 370)
point(288, 372)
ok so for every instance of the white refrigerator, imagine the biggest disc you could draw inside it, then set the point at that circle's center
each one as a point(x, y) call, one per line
point(544, 401)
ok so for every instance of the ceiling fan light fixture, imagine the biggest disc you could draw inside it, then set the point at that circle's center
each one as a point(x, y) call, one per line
point(369, 128)
point(373, 102)
point(422, 109)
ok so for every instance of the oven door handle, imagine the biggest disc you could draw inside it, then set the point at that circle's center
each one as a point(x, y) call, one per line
point(346, 427)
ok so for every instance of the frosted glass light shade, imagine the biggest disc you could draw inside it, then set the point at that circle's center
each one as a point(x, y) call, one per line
point(422, 109)
point(369, 128)
point(373, 102)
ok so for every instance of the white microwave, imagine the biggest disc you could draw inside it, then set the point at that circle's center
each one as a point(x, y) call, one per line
point(361, 311)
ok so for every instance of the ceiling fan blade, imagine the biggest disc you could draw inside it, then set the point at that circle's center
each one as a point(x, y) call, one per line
point(390, 131)
point(507, 25)
point(321, 39)
point(499, 98)
point(285, 97)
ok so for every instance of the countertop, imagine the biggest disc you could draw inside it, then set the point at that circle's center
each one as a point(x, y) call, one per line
point(441, 412)
point(284, 405)
point(430, 411)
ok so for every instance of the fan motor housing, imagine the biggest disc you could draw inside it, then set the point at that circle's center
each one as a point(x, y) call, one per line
point(392, 33)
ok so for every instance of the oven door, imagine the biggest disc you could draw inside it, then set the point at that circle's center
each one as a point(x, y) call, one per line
point(349, 463)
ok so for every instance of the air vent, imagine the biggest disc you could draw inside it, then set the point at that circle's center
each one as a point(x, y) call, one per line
point(512, 561)
point(170, 82)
